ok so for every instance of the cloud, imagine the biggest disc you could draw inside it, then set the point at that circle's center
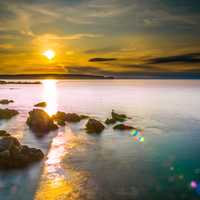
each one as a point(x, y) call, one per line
point(102, 59)
point(87, 70)
point(6, 46)
point(184, 58)
point(76, 36)
point(103, 50)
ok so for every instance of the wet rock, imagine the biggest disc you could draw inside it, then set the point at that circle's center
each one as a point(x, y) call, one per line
point(4, 133)
point(73, 117)
point(110, 121)
point(123, 127)
point(84, 117)
point(41, 104)
point(15, 155)
point(6, 101)
point(118, 117)
point(7, 113)
point(94, 126)
point(115, 117)
point(62, 117)
point(40, 122)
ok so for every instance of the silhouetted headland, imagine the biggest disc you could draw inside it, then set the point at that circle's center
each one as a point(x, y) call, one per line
point(53, 76)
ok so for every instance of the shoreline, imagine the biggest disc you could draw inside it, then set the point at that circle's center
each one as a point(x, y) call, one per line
point(90, 77)
point(52, 76)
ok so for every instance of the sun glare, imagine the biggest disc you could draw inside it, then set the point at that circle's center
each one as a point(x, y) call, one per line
point(50, 96)
point(50, 54)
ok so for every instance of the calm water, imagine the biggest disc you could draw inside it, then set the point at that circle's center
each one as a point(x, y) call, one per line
point(112, 165)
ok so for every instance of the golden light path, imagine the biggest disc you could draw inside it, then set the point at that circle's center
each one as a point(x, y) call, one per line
point(50, 96)
point(58, 181)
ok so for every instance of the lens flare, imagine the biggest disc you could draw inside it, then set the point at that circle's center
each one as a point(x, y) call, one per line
point(193, 184)
point(137, 135)
point(50, 96)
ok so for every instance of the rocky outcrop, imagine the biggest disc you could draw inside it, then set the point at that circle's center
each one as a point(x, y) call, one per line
point(115, 117)
point(62, 117)
point(40, 122)
point(118, 117)
point(6, 101)
point(123, 127)
point(41, 104)
point(109, 121)
point(14, 155)
point(3, 133)
point(94, 126)
point(19, 82)
point(7, 113)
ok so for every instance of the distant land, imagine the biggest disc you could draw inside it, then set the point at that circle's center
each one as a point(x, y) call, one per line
point(90, 76)
point(53, 76)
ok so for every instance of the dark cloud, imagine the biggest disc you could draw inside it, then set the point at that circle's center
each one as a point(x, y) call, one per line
point(6, 13)
point(102, 59)
point(184, 58)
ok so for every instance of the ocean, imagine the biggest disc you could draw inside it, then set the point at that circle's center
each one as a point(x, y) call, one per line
point(113, 165)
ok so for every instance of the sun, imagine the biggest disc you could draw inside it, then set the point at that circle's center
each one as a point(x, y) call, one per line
point(49, 54)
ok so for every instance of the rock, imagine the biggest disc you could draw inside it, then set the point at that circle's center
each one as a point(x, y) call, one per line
point(115, 118)
point(62, 117)
point(73, 117)
point(123, 127)
point(118, 117)
point(41, 104)
point(94, 126)
point(6, 101)
point(84, 117)
point(7, 113)
point(40, 122)
point(7, 143)
point(4, 133)
point(110, 121)
point(14, 155)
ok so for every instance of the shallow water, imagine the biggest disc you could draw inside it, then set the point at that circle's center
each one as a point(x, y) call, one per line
point(112, 165)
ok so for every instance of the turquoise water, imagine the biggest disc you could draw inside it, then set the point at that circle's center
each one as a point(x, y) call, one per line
point(112, 165)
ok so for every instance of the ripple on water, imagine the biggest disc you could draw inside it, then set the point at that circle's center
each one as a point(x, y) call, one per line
point(59, 180)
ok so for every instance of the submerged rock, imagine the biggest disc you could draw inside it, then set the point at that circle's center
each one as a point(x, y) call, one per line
point(40, 122)
point(73, 117)
point(84, 117)
point(6, 101)
point(123, 127)
point(62, 117)
point(110, 121)
point(115, 117)
point(4, 133)
point(94, 126)
point(7, 113)
point(118, 117)
point(41, 104)
point(15, 155)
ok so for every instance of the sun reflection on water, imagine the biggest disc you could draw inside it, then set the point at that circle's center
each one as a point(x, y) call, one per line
point(50, 96)
point(58, 181)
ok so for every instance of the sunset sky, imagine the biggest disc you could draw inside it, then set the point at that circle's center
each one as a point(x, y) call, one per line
point(101, 37)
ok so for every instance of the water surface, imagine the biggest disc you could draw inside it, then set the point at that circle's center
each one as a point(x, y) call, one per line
point(112, 165)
